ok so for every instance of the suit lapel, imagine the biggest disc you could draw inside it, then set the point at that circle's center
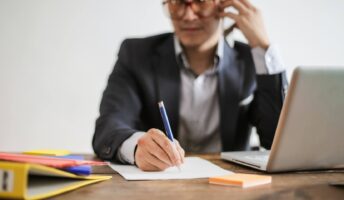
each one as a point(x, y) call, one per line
point(229, 95)
point(167, 81)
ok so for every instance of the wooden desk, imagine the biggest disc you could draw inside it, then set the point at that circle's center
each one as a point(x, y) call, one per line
point(305, 185)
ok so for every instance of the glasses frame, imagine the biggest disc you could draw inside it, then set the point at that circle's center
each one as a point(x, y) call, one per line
point(187, 3)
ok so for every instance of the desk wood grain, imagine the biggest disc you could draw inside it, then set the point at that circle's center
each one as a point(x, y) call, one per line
point(300, 185)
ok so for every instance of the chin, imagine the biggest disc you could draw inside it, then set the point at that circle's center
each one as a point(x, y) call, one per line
point(191, 41)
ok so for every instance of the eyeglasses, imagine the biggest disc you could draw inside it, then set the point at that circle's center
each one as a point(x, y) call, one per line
point(176, 9)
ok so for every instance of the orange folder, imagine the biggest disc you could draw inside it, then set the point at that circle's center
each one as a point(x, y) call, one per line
point(240, 180)
point(47, 161)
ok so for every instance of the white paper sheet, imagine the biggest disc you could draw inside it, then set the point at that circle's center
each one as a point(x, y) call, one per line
point(193, 167)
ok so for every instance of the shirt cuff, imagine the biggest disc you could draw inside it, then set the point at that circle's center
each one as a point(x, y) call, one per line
point(267, 61)
point(126, 150)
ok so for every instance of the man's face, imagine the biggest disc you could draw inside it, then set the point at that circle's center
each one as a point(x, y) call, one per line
point(195, 30)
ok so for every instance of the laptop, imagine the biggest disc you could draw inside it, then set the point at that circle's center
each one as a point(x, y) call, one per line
point(310, 131)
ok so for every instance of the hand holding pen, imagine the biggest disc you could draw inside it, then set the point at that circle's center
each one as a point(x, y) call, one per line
point(168, 128)
point(156, 152)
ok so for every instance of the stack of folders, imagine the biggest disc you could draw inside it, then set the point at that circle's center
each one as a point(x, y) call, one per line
point(38, 177)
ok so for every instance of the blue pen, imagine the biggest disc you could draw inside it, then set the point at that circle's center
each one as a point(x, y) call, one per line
point(166, 123)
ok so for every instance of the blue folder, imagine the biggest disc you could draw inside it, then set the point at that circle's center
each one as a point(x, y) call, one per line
point(81, 169)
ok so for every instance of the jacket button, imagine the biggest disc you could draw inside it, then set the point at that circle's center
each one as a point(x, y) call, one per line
point(107, 150)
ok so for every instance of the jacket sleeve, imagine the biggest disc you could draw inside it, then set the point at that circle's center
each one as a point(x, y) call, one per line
point(119, 109)
point(267, 104)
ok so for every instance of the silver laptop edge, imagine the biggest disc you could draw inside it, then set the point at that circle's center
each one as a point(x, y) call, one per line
point(309, 132)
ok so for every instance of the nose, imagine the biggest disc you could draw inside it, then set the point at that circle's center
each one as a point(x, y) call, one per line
point(189, 14)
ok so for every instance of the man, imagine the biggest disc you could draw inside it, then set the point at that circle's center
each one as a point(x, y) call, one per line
point(213, 93)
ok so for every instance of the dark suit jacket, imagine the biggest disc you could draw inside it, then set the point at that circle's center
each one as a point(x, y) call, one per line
point(147, 71)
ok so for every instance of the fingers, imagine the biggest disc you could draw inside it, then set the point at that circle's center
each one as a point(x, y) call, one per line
point(155, 152)
point(144, 163)
point(166, 145)
point(180, 151)
point(155, 162)
point(248, 19)
point(231, 15)
point(237, 4)
point(146, 160)
point(247, 4)
point(154, 149)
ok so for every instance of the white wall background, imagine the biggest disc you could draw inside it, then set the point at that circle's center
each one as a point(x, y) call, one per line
point(56, 55)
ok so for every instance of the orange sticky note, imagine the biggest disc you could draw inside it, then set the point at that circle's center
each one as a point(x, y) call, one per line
point(240, 180)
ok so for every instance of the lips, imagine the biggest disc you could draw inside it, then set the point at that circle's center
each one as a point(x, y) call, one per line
point(191, 29)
